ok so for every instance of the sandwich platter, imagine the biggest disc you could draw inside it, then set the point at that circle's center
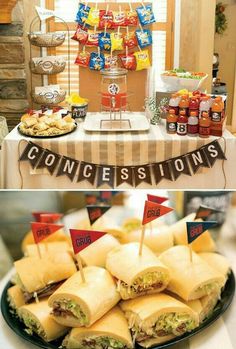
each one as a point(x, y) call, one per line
point(18, 327)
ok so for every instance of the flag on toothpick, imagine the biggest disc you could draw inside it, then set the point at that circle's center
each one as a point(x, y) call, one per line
point(50, 217)
point(196, 229)
point(153, 211)
point(43, 230)
point(95, 212)
point(37, 215)
point(91, 199)
point(204, 212)
point(44, 13)
point(156, 199)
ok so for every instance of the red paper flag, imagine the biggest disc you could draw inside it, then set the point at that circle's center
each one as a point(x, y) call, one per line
point(50, 217)
point(43, 230)
point(156, 199)
point(153, 211)
point(37, 215)
point(83, 238)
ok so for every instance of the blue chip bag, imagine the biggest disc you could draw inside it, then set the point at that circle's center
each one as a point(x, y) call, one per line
point(146, 15)
point(82, 14)
point(104, 41)
point(97, 61)
point(144, 37)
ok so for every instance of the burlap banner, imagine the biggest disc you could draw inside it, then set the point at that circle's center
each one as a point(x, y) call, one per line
point(114, 176)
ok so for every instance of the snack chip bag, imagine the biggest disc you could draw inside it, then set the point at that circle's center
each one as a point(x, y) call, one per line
point(93, 38)
point(146, 15)
point(142, 60)
point(82, 13)
point(110, 61)
point(105, 19)
point(81, 34)
point(130, 40)
point(128, 61)
point(104, 41)
point(144, 37)
point(119, 19)
point(97, 61)
point(93, 17)
point(83, 59)
point(131, 19)
point(117, 42)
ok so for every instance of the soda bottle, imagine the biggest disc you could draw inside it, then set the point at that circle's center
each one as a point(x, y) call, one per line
point(217, 110)
point(184, 104)
point(182, 124)
point(171, 122)
point(193, 123)
point(204, 125)
point(205, 106)
point(174, 103)
point(193, 104)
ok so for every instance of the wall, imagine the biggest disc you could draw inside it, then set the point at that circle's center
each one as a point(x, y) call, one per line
point(225, 45)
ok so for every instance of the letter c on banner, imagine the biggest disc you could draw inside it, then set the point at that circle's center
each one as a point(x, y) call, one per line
point(86, 172)
point(179, 165)
point(30, 155)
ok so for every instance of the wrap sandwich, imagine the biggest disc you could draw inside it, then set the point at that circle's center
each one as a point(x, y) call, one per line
point(37, 319)
point(77, 304)
point(204, 243)
point(111, 331)
point(49, 247)
point(137, 275)
point(39, 277)
point(157, 318)
point(15, 297)
point(217, 262)
point(190, 279)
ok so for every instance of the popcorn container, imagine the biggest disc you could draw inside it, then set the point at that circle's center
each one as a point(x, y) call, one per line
point(79, 111)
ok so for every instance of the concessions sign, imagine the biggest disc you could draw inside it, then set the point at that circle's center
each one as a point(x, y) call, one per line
point(114, 176)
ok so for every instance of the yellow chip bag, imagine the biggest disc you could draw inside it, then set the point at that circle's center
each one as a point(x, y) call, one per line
point(142, 60)
point(117, 42)
point(93, 17)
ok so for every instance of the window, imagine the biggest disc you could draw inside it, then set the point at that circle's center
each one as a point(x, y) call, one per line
point(163, 36)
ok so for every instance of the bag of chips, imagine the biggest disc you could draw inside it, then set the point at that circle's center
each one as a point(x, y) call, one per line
point(110, 61)
point(82, 13)
point(144, 37)
point(81, 34)
point(97, 61)
point(83, 59)
point(93, 17)
point(119, 19)
point(117, 41)
point(130, 40)
point(146, 15)
point(104, 41)
point(142, 60)
point(128, 61)
point(105, 19)
point(93, 38)
point(131, 18)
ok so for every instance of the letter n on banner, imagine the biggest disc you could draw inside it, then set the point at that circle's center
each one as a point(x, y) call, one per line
point(32, 153)
point(142, 174)
point(198, 159)
point(214, 152)
point(87, 172)
point(162, 171)
point(124, 175)
point(49, 161)
point(68, 167)
point(180, 166)
point(106, 175)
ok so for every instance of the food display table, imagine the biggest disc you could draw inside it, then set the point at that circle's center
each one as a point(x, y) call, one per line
point(116, 149)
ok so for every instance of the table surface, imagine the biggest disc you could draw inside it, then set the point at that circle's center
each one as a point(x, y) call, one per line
point(220, 335)
point(111, 148)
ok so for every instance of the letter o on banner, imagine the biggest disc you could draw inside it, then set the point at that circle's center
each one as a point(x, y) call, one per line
point(50, 160)
point(179, 165)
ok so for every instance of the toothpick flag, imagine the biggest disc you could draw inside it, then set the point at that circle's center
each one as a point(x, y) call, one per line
point(42, 230)
point(90, 199)
point(37, 215)
point(205, 212)
point(44, 13)
point(156, 199)
point(153, 211)
point(50, 217)
point(83, 238)
point(95, 212)
point(196, 229)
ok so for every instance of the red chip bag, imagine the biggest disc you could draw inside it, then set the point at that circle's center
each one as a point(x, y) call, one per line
point(119, 19)
point(128, 61)
point(105, 19)
point(130, 40)
point(93, 38)
point(81, 35)
point(131, 18)
point(110, 61)
point(83, 59)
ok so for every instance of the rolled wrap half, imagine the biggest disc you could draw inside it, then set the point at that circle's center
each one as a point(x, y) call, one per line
point(158, 317)
point(111, 331)
point(77, 304)
point(137, 275)
point(217, 262)
point(15, 297)
point(49, 247)
point(37, 319)
point(190, 279)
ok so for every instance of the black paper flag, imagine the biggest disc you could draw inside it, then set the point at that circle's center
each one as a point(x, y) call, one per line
point(205, 212)
point(49, 160)
point(95, 212)
point(198, 159)
point(32, 153)
point(106, 175)
point(162, 171)
point(68, 167)
point(180, 166)
point(142, 174)
point(214, 152)
point(124, 175)
point(87, 172)
point(196, 229)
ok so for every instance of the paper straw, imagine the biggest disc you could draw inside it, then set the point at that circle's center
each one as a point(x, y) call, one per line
point(107, 9)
